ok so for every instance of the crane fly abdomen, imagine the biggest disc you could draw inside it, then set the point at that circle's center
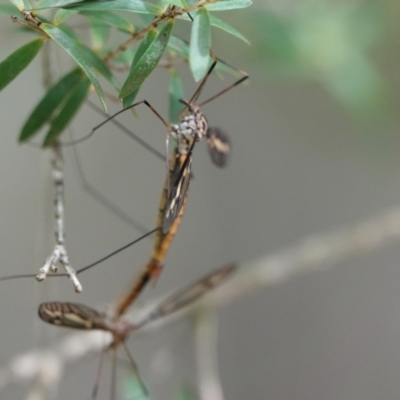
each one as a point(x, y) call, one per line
point(72, 315)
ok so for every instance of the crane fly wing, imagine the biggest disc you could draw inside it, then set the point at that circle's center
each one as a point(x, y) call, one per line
point(180, 179)
point(188, 295)
point(71, 315)
point(219, 146)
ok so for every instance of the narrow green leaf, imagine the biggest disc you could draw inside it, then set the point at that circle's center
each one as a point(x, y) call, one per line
point(222, 5)
point(148, 61)
point(137, 6)
point(8, 9)
point(179, 3)
point(78, 54)
point(175, 93)
point(100, 66)
point(21, 4)
point(111, 19)
point(50, 4)
point(15, 63)
point(200, 41)
point(99, 34)
point(179, 46)
point(144, 45)
point(128, 100)
point(43, 112)
point(126, 57)
point(71, 106)
point(214, 21)
point(62, 15)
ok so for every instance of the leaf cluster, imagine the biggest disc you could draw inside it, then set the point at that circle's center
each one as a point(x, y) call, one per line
point(142, 51)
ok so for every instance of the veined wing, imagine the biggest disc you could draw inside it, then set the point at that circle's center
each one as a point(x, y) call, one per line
point(180, 179)
point(71, 315)
point(187, 296)
point(219, 146)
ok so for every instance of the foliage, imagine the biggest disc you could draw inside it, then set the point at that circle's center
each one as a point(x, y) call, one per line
point(61, 101)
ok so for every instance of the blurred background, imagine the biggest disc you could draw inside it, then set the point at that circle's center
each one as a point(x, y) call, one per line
point(316, 144)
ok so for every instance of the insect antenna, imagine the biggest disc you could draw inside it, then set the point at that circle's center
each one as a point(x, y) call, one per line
point(238, 82)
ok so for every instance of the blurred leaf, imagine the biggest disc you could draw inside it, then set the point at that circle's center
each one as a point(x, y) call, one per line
point(137, 6)
point(175, 93)
point(144, 45)
point(21, 4)
point(185, 392)
point(100, 66)
point(99, 33)
point(8, 9)
point(15, 63)
point(79, 55)
point(199, 48)
point(68, 110)
point(50, 4)
point(179, 3)
point(214, 21)
point(179, 45)
point(62, 15)
point(43, 112)
point(148, 61)
point(221, 5)
point(111, 19)
point(126, 57)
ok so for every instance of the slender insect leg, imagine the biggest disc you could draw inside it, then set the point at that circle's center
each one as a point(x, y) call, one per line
point(135, 370)
point(98, 375)
point(238, 82)
point(167, 126)
point(113, 372)
point(203, 82)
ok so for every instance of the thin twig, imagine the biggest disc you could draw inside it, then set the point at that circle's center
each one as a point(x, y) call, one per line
point(59, 254)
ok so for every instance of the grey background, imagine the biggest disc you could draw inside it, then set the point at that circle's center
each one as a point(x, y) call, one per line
point(300, 165)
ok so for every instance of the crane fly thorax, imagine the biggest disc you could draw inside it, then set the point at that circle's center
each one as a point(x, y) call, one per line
point(193, 126)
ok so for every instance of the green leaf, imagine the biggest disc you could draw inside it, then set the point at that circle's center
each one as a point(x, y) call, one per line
point(199, 48)
point(137, 6)
point(49, 103)
point(99, 34)
point(21, 4)
point(8, 9)
point(179, 46)
point(179, 3)
point(71, 106)
point(214, 21)
point(126, 56)
point(78, 54)
point(100, 66)
point(111, 19)
point(144, 45)
point(18, 61)
point(148, 61)
point(62, 15)
point(175, 93)
point(222, 5)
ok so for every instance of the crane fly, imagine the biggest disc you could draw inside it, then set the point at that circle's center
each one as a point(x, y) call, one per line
point(79, 316)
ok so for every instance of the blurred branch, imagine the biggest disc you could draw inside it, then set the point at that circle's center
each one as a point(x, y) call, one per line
point(315, 253)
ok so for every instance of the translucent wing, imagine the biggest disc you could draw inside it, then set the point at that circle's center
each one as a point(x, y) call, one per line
point(71, 315)
point(188, 295)
point(180, 179)
point(219, 146)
